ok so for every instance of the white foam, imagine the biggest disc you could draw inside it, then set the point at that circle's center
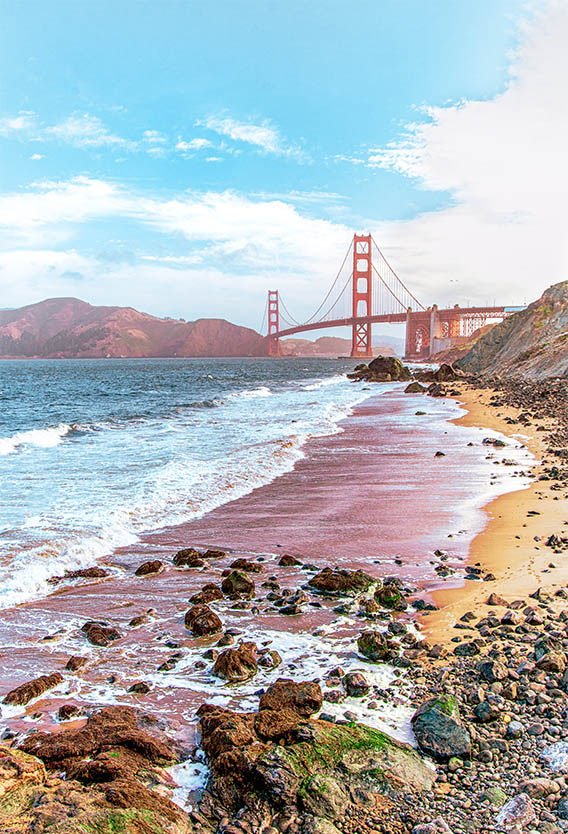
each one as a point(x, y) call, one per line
point(252, 393)
point(190, 776)
point(44, 438)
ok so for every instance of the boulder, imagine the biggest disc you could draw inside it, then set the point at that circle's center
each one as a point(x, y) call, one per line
point(269, 659)
point(99, 634)
point(237, 665)
point(208, 593)
point(189, 557)
point(304, 698)
point(439, 731)
point(148, 568)
point(355, 684)
point(389, 365)
point(415, 388)
point(247, 565)
point(342, 582)
point(33, 689)
point(391, 597)
point(288, 561)
point(237, 585)
point(201, 620)
point(373, 645)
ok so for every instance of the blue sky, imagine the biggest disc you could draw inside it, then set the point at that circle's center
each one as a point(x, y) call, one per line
point(181, 157)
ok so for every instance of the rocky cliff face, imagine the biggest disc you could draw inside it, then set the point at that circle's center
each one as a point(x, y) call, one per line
point(68, 327)
point(532, 343)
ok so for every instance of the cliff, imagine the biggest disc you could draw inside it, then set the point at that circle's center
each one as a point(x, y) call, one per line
point(531, 343)
point(68, 327)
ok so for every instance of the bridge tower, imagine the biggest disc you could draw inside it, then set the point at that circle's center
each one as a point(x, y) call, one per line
point(361, 347)
point(273, 323)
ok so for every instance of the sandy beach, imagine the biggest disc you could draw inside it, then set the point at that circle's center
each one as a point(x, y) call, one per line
point(512, 544)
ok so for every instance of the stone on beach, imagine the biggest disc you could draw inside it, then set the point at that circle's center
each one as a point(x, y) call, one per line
point(149, 568)
point(201, 620)
point(304, 698)
point(33, 689)
point(373, 645)
point(99, 634)
point(238, 664)
point(237, 585)
point(342, 582)
point(247, 565)
point(188, 557)
point(439, 730)
point(208, 593)
point(517, 813)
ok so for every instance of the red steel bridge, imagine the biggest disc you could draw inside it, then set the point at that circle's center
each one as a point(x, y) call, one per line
point(366, 291)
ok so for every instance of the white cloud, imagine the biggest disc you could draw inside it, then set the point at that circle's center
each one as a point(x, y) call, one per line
point(503, 161)
point(36, 156)
point(263, 136)
point(24, 122)
point(235, 246)
point(154, 137)
point(86, 131)
point(196, 144)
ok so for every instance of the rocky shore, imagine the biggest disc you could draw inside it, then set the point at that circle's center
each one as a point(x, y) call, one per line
point(488, 705)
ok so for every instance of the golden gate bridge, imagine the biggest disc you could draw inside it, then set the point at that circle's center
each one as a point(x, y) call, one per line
point(367, 290)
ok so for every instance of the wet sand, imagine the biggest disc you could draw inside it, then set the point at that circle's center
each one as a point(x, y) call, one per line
point(374, 496)
point(508, 545)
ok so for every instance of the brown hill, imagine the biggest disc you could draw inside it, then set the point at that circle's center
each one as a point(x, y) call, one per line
point(530, 343)
point(68, 327)
point(324, 346)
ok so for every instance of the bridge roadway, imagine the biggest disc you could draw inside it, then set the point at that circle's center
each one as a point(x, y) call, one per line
point(388, 318)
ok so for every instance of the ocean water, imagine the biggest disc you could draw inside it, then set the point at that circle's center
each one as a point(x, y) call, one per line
point(94, 453)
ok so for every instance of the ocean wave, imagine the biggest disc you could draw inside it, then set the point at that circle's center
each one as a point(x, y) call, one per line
point(252, 393)
point(30, 570)
point(323, 383)
point(43, 438)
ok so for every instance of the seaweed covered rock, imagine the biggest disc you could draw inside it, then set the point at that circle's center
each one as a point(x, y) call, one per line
point(111, 765)
point(237, 585)
point(276, 764)
point(237, 665)
point(188, 557)
point(439, 731)
point(342, 582)
point(389, 595)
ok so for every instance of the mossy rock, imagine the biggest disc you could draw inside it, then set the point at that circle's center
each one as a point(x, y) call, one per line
point(439, 731)
point(356, 755)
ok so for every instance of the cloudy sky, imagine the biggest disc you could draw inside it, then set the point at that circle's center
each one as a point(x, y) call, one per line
point(183, 157)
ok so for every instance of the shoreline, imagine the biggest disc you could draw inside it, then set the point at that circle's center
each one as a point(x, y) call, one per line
point(511, 545)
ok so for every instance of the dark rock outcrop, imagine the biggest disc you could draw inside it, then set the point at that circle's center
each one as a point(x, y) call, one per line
point(237, 585)
point(342, 582)
point(439, 731)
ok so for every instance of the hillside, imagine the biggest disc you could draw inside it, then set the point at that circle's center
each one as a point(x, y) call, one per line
point(68, 327)
point(531, 343)
point(334, 346)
